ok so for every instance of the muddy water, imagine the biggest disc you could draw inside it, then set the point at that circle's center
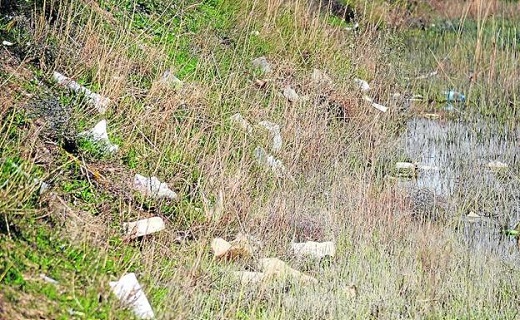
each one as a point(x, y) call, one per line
point(458, 155)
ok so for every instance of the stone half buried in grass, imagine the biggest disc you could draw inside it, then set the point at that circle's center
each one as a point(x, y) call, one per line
point(274, 130)
point(362, 84)
point(497, 165)
point(267, 160)
point(152, 187)
point(143, 227)
point(262, 64)
point(276, 268)
point(239, 120)
point(241, 247)
point(169, 79)
point(314, 249)
point(290, 94)
point(454, 96)
point(320, 77)
point(99, 135)
point(406, 169)
point(129, 292)
point(378, 106)
point(99, 102)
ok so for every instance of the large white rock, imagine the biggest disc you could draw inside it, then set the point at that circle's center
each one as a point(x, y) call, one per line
point(152, 187)
point(143, 227)
point(129, 292)
point(99, 134)
point(99, 102)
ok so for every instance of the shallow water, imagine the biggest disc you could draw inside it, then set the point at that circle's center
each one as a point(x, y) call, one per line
point(460, 153)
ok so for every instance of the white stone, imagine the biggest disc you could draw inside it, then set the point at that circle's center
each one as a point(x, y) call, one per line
point(143, 227)
point(153, 187)
point(262, 64)
point(241, 122)
point(320, 77)
point(129, 292)
point(48, 279)
point(99, 102)
point(7, 43)
point(268, 160)
point(274, 130)
point(249, 277)
point(99, 134)
point(314, 249)
point(405, 166)
point(362, 84)
point(290, 94)
point(497, 165)
point(169, 78)
point(378, 106)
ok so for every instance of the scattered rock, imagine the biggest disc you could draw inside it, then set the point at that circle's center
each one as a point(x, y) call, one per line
point(274, 267)
point(239, 248)
point(274, 130)
point(320, 77)
point(99, 134)
point(249, 277)
point(48, 279)
point(362, 84)
point(241, 122)
point(168, 78)
point(129, 292)
point(378, 106)
point(473, 217)
point(143, 227)
point(426, 76)
point(214, 211)
point(262, 64)
point(265, 159)
point(314, 249)
point(99, 102)
point(405, 166)
point(454, 96)
point(290, 94)
point(497, 165)
point(260, 83)
point(152, 187)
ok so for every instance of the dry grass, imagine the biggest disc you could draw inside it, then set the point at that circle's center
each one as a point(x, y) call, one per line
point(402, 268)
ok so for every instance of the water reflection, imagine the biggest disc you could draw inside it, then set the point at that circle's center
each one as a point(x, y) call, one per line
point(460, 153)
